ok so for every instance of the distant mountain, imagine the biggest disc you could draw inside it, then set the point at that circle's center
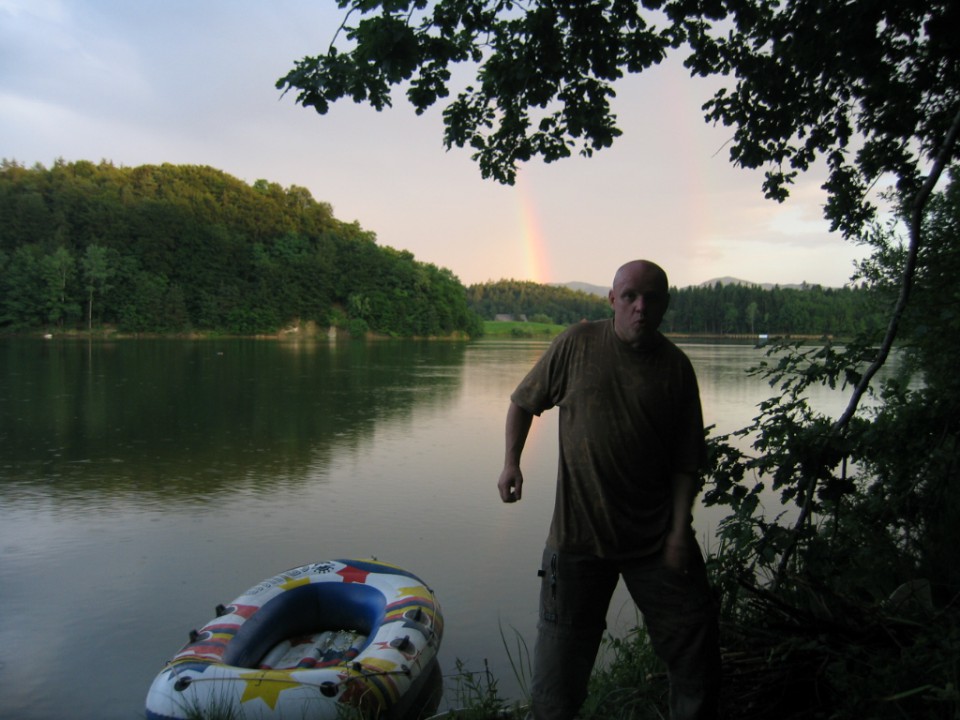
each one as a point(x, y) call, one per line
point(586, 287)
point(727, 280)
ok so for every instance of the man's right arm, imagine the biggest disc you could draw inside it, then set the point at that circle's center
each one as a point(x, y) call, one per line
point(518, 424)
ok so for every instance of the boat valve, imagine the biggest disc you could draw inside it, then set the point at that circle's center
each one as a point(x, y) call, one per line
point(402, 644)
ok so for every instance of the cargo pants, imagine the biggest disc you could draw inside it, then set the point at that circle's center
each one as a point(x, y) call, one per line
point(679, 612)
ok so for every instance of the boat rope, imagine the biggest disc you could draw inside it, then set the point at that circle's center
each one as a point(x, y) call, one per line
point(324, 687)
point(327, 687)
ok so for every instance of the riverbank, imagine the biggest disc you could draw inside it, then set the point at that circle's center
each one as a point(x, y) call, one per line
point(535, 330)
point(492, 329)
point(297, 332)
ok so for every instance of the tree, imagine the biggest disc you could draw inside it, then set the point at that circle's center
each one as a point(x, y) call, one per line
point(886, 495)
point(545, 70)
point(514, 297)
point(58, 270)
point(98, 267)
point(22, 296)
point(167, 248)
point(751, 315)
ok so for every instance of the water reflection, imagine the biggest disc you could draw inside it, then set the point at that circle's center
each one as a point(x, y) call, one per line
point(187, 420)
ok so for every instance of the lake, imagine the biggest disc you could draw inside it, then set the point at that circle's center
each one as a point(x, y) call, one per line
point(144, 481)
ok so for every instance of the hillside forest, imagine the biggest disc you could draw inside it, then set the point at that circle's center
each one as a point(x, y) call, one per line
point(708, 310)
point(177, 249)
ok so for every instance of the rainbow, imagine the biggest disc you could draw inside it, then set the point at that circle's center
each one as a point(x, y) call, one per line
point(536, 263)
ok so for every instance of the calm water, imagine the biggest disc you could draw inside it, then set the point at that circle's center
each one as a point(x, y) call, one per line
point(143, 482)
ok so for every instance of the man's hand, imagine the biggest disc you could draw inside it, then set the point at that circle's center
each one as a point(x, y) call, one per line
point(676, 551)
point(679, 544)
point(510, 484)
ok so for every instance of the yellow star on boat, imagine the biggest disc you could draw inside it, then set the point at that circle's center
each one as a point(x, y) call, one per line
point(290, 584)
point(417, 591)
point(379, 664)
point(266, 685)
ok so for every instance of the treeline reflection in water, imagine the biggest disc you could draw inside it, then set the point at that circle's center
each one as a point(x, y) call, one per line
point(185, 420)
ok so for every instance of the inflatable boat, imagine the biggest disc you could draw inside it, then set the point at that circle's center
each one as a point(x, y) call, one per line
point(333, 639)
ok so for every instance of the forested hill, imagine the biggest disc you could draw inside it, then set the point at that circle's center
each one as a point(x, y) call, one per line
point(174, 248)
point(178, 248)
point(717, 309)
point(535, 302)
point(738, 309)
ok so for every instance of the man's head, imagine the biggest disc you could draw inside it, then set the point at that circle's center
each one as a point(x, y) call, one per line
point(639, 298)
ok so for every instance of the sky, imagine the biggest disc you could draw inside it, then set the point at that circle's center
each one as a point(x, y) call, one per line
point(193, 82)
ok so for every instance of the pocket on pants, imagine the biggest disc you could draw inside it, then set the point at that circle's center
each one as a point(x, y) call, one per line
point(575, 591)
point(549, 605)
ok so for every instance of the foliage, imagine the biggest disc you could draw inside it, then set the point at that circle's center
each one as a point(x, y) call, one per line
point(629, 682)
point(892, 469)
point(533, 55)
point(877, 98)
point(933, 316)
point(178, 248)
point(99, 265)
point(826, 652)
point(716, 309)
point(519, 329)
point(838, 563)
point(476, 694)
point(539, 303)
point(737, 309)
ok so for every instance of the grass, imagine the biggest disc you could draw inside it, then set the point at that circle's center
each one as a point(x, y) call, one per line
point(476, 695)
point(516, 329)
point(628, 683)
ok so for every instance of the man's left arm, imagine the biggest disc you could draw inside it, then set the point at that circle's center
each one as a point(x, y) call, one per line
point(678, 543)
point(690, 459)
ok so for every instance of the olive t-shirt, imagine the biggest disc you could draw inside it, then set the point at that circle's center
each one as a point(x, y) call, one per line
point(629, 418)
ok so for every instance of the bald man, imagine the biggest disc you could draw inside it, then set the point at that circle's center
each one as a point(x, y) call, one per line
point(631, 452)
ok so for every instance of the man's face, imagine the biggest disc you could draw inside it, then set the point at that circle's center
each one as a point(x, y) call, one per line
point(639, 299)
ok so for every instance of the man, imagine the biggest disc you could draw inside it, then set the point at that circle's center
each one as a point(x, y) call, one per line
point(631, 449)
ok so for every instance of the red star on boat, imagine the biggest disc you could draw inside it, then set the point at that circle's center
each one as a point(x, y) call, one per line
point(353, 575)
